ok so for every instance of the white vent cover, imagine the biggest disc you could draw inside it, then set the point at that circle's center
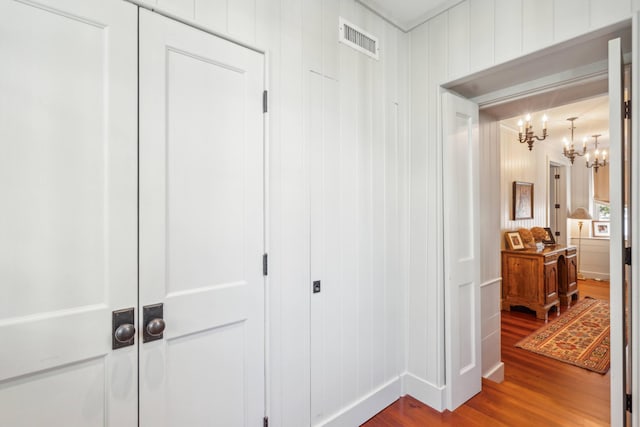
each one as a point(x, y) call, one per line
point(358, 39)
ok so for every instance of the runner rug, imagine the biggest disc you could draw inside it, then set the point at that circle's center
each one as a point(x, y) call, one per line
point(579, 337)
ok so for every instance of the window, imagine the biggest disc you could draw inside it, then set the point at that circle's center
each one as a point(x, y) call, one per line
point(601, 211)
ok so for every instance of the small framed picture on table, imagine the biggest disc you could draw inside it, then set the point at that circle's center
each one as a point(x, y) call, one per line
point(548, 237)
point(601, 228)
point(514, 241)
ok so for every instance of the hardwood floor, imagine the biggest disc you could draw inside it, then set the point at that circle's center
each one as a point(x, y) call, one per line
point(537, 390)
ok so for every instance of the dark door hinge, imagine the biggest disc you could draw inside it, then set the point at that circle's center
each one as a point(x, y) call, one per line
point(629, 401)
point(627, 109)
point(627, 255)
point(265, 265)
point(265, 102)
point(557, 205)
point(557, 233)
point(265, 422)
point(557, 176)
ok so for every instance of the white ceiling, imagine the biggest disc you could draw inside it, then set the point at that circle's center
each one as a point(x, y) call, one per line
point(592, 118)
point(407, 14)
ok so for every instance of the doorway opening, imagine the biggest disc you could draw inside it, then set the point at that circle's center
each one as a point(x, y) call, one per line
point(578, 71)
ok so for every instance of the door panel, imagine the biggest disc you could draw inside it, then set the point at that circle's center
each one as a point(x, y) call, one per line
point(68, 229)
point(461, 237)
point(201, 226)
point(616, 258)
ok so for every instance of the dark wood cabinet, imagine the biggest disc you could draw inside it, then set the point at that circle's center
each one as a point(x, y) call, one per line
point(539, 280)
point(568, 276)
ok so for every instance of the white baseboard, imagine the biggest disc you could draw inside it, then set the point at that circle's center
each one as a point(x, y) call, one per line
point(424, 391)
point(595, 275)
point(496, 374)
point(365, 408)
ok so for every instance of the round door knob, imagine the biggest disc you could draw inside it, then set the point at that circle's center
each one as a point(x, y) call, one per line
point(155, 327)
point(124, 333)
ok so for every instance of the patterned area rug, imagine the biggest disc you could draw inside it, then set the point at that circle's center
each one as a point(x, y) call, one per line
point(579, 337)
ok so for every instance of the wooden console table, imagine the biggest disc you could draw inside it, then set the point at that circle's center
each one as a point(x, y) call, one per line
point(539, 280)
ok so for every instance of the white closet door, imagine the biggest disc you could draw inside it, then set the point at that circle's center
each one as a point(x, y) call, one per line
point(68, 201)
point(201, 227)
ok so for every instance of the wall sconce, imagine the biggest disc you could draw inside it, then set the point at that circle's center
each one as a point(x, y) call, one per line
point(569, 150)
point(526, 131)
point(597, 163)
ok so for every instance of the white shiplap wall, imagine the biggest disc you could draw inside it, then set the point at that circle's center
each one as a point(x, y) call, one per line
point(490, 216)
point(356, 152)
point(520, 164)
point(338, 203)
point(472, 36)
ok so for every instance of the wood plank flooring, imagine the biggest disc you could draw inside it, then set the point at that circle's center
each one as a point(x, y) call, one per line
point(537, 390)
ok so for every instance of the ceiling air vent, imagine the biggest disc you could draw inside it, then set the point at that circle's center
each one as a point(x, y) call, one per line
point(358, 39)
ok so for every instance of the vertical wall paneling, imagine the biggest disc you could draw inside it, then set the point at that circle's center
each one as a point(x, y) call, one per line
point(312, 35)
point(330, 50)
point(604, 12)
point(241, 19)
point(481, 34)
point(437, 48)
point(289, 244)
point(571, 17)
point(403, 88)
point(349, 221)
point(458, 40)
point(182, 8)
point(490, 172)
point(364, 225)
point(417, 294)
point(492, 366)
point(354, 321)
point(520, 164)
point(333, 400)
point(378, 313)
point(213, 14)
point(315, 141)
point(581, 185)
point(537, 30)
point(391, 233)
point(508, 29)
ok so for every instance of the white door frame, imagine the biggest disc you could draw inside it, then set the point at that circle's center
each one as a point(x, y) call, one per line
point(615, 369)
point(634, 194)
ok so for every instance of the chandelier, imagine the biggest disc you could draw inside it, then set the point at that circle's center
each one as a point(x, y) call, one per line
point(526, 131)
point(597, 162)
point(569, 150)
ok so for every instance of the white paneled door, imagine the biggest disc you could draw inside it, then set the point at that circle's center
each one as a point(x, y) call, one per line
point(201, 227)
point(461, 249)
point(617, 174)
point(68, 234)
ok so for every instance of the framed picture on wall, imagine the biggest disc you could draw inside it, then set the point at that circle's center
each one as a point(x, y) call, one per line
point(514, 241)
point(522, 200)
point(548, 237)
point(601, 229)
